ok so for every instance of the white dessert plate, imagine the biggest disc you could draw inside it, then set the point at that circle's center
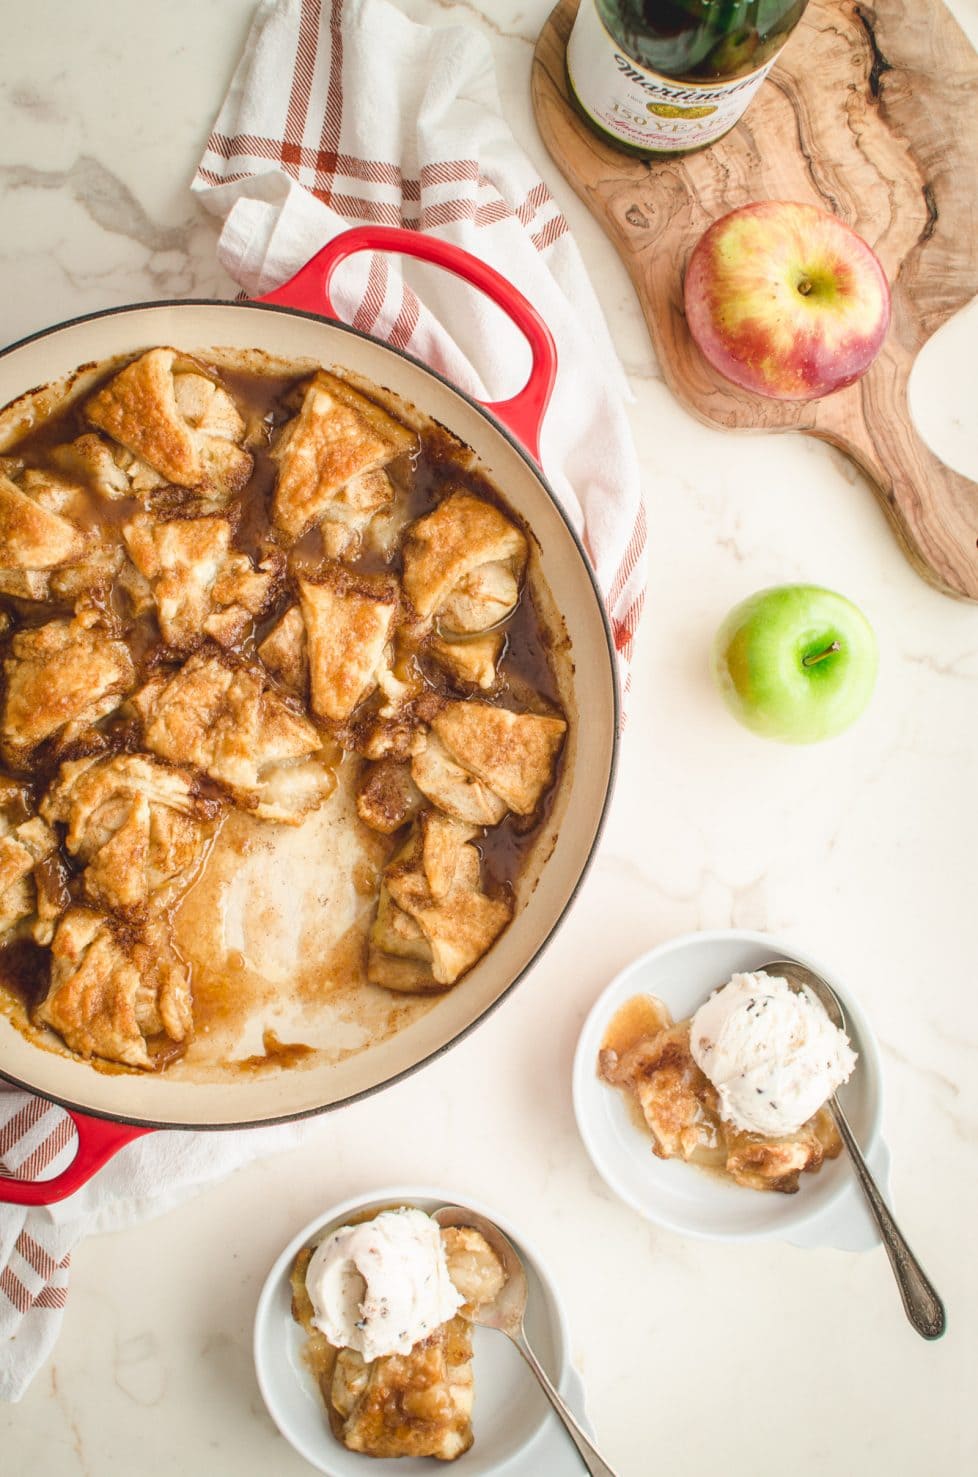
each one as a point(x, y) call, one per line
point(828, 1209)
point(515, 1432)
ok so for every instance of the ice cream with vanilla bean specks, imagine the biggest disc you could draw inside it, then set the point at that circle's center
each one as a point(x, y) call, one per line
point(381, 1286)
point(772, 1053)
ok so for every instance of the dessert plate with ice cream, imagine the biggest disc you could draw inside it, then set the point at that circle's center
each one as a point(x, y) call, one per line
point(367, 1344)
point(701, 1086)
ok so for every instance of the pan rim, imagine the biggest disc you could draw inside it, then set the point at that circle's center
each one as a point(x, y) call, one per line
point(537, 472)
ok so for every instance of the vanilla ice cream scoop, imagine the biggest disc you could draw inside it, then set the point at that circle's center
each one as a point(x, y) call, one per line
point(771, 1052)
point(381, 1286)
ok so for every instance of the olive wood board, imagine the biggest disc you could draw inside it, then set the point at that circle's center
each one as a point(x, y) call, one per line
point(873, 115)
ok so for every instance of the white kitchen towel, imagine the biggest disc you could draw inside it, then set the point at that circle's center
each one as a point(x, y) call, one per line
point(341, 114)
point(347, 113)
point(147, 1177)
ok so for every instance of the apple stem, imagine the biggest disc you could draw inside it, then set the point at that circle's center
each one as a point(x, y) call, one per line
point(811, 661)
point(804, 287)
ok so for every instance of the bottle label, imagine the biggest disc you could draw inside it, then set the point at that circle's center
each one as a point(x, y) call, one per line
point(643, 108)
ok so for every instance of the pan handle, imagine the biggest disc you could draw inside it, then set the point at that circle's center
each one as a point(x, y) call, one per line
point(523, 413)
point(98, 1140)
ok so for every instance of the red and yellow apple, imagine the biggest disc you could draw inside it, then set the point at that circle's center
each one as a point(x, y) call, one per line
point(785, 300)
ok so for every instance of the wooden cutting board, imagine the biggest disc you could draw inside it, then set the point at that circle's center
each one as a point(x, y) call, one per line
point(872, 114)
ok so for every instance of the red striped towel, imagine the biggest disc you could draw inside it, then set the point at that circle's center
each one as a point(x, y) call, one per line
point(37, 1141)
point(343, 114)
point(347, 113)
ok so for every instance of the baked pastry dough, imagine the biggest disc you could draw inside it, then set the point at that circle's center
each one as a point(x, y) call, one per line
point(348, 516)
point(51, 546)
point(114, 988)
point(170, 414)
point(285, 653)
point(463, 564)
point(60, 678)
point(137, 826)
point(409, 1405)
point(97, 464)
point(348, 620)
point(201, 586)
point(222, 717)
point(471, 662)
point(23, 846)
point(481, 761)
point(31, 536)
point(433, 920)
point(326, 453)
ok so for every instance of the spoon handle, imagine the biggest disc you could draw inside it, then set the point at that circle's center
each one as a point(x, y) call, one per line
point(921, 1302)
point(595, 1464)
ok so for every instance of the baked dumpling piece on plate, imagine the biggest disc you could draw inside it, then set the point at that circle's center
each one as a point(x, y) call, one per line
point(221, 716)
point(201, 585)
point(434, 921)
point(327, 454)
point(136, 824)
point(113, 988)
point(167, 411)
point(417, 1404)
point(60, 678)
point(463, 564)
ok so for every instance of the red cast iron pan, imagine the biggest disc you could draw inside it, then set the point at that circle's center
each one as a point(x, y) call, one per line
point(110, 1110)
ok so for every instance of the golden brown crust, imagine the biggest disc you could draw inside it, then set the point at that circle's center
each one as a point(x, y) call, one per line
point(221, 716)
point(31, 536)
point(433, 906)
point(60, 677)
point(193, 444)
point(348, 619)
point(514, 754)
point(285, 653)
point(409, 1405)
point(443, 548)
point(137, 825)
point(338, 435)
point(201, 586)
point(111, 991)
point(471, 662)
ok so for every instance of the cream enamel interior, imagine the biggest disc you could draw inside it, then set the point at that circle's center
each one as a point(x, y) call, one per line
point(576, 816)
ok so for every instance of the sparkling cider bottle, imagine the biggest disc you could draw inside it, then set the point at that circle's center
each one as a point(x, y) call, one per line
point(662, 77)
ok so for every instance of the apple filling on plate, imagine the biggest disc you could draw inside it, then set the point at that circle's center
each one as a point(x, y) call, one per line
point(386, 1305)
point(650, 1057)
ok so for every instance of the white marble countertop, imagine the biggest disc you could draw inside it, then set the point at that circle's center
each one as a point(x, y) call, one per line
point(748, 1359)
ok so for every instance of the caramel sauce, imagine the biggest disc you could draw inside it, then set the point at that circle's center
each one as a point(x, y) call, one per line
point(276, 1054)
point(227, 992)
point(639, 1017)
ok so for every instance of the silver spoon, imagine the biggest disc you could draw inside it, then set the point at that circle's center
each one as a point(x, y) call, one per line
point(506, 1315)
point(921, 1302)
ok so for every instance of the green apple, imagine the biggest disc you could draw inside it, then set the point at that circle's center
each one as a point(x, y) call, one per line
point(796, 663)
